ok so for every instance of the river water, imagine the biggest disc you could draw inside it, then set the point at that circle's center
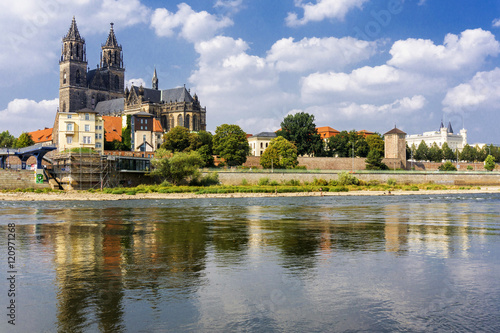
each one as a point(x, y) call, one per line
point(313, 264)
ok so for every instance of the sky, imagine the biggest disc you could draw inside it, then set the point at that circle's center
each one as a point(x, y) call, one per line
point(353, 64)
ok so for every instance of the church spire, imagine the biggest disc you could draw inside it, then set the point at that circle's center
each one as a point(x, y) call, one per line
point(73, 47)
point(111, 51)
point(155, 81)
point(111, 41)
point(73, 33)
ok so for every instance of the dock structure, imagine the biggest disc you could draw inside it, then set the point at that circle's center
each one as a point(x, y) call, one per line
point(38, 151)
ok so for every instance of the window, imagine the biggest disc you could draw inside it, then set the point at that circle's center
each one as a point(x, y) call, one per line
point(87, 116)
point(87, 139)
point(98, 145)
point(100, 136)
point(69, 116)
point(87, 128)
point(77, 76)
point(144, 138)
point(64, 78)
point(69, 127)
point(69, 140)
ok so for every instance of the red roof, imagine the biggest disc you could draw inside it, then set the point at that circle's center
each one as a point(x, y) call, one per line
point(157, 126)
point(41, 136)
point(113, 128)
point(326, 132)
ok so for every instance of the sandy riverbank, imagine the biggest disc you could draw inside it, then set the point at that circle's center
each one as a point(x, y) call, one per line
point(86, 196)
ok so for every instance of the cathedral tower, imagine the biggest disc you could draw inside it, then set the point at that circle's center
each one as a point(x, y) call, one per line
point(73, 71)
point(155, 81)
point(112, 63)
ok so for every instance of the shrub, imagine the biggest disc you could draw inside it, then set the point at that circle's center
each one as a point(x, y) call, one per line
point(391, 181)
point(470, 168)
point(345, 178)
point(319, 182)
point(207, 180)
point(263, 181)
point(274, 183)
point(292, 182)
point(333, 182)
point(447, 166)
point(339, 189)
point(244, 182)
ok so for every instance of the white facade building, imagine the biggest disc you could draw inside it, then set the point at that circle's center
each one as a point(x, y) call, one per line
point(445, 134)
point(259, 142)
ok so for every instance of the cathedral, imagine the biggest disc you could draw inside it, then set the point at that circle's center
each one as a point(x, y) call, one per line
point(102, 90)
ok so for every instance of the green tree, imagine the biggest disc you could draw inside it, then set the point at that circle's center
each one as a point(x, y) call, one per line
point(376, 142)
point(127, 135)
point(468, 154)
point(301, 131)
point(230, 143)
point(24, 140)
point(422, 152)
point(374, 161)
point(448, 154)
point(338, 146)
point(361, 147)
point(176, 167)
point(204, 144)
point(281, 154)
point(435, 153)
point(447, 166)
point(7, 140)
point(481, 153)
point(489, 163)
point(177, 139)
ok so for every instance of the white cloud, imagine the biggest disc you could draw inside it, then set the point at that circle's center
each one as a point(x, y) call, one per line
point(496, 23)
point(319, 53)
point(232, 6)
point(405, 105)
point(136, 82)
point(193, 26)
point(322, 9)
point(482, 93)
point(24, 115)
point(458, 53)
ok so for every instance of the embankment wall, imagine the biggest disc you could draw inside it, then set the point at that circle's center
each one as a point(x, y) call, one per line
point(12, 179)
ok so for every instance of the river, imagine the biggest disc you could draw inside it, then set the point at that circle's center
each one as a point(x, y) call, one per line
point(313, 264)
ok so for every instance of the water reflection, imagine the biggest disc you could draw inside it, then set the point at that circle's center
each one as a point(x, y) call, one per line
point(249, 264)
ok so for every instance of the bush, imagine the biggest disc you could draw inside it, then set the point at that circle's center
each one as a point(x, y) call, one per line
point(207, 180)
point(263, 181)
point(319, 182)
point(447, 166)
point(345, 178)
point(333, 182)
point(391, 181)
point(274, 183)
point(244, 182)
point(292, 182)
point(300, 167)
point(339, 189)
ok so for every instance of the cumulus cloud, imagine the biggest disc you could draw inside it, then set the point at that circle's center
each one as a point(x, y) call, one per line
point(322, 9)
point(496, 23)
point(136, 82)
point(319, 53)
point(193, 26)
point(464, 52)
point(232, 6)
point(481, 93)
point(25, 115)
point(405, 105)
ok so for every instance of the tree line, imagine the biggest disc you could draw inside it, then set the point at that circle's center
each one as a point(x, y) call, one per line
point(7, 140)
point(435, 153)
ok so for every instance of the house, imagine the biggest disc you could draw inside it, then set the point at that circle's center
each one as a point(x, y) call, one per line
point(259, 142)
point(80, 129)
point(326, 132)
point(42, 136)
point(146, 132)
point(112, 128)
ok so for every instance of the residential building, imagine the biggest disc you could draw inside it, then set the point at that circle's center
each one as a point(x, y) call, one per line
point(326, 132)
point(146, 132)
point(259, 142)
point(444, 134)
point(42, 136)
point(80, 129)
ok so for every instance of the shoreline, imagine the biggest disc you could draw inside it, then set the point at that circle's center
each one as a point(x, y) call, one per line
point(87, 196)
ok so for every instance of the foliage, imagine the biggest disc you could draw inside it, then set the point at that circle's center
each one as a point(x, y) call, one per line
point(489, 163)
point(263, 181)
point(176, 140)
point(344, 178)
point(481, 153)
point(205, 147)
point(447, 166)
point(7, 140)
point(301, 130)
point(376, 142)
point(448, 154)
point(391, 181)
point(127, 135)
point(281, 154)
point(435, 154)
point(24, 140)
point(341, 145)
point(230, 143)
point(115, 145)
point(422, 152)
point(176, 167)
point(374, 161)
point(468, 154)
point(207, 180)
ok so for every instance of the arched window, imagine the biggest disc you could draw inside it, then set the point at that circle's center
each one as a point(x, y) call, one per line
point(195, 123)
point(77, 76)
point(117, 82)
point(179, 120)
point(64, 77)
point(172, 125)
point(77, 51)
point(71, 49)
point(187, 122)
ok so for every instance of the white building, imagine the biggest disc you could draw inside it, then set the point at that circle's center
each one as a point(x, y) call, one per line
point(80, 129)
point(445, 134)
point(259, 142)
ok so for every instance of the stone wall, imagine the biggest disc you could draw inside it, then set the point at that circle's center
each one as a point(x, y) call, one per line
point(459, 178)
point(13, 179)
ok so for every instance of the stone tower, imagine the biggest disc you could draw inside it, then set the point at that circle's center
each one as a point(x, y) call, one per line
point(73, 71)
point(155, 81)
point(395, 145)
point(112, 63)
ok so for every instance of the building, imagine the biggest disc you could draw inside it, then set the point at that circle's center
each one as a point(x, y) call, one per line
point(42, 136)
point(365, 133)
point(445, 134)
point(80, 129)
point(112, 128)
point(395, 145)
point(102, 90)
point(326, 132)
point(146, 132)
point(259, 142)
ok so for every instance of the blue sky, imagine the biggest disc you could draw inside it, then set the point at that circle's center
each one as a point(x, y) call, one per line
point(354, 64)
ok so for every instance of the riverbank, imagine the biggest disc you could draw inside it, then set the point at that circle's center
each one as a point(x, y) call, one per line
point(97, 196)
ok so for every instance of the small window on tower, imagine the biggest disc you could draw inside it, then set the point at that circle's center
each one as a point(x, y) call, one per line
point(64, 78)
point(77, 76)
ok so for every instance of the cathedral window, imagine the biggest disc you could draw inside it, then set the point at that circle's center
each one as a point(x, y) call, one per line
point(77, 76)
point(179, 121)
point(64, 77)
point(187, 121)
point(195, 123)
point(172, 125)
point(117, 82)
